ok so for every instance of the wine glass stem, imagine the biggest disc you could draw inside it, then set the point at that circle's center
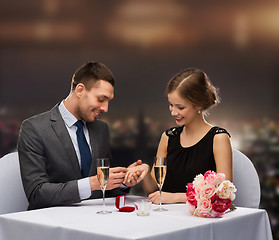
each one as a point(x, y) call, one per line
point(160, 188)
point(104, 205)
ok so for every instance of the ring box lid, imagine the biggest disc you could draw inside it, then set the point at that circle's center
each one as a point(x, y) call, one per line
point(120, 204)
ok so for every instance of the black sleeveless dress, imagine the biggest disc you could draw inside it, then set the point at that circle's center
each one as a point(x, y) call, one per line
point(183, 164)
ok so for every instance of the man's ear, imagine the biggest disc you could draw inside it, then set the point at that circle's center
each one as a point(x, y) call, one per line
point(79, 90)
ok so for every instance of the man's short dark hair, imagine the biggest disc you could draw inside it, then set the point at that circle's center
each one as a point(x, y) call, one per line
point(90, 73)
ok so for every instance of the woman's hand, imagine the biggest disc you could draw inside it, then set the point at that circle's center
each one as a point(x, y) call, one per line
point(135, 173)
point(167, 197)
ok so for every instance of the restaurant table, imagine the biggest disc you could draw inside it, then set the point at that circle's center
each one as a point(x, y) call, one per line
point(80, 222)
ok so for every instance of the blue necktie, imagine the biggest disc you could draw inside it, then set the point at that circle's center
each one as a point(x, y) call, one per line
point(84, 150)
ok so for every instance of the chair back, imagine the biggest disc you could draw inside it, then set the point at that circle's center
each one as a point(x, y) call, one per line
point(12, 198)
point(246, 181)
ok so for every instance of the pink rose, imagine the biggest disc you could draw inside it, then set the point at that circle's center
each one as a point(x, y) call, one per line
point(207, 191)
point(220, 178)
point(198, 188)
point(219, 204)
point(190, 194)
point(209, 172)
point(204, 214)
point(199, 213)
point(214, 178)
point(204, 205)
point(191, 208)
point(215, 214)
point(198, 181)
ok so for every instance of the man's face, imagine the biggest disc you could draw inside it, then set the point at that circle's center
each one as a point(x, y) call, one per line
point(95, 101)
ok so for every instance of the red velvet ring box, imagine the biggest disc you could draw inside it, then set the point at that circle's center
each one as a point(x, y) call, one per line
point(120, 204)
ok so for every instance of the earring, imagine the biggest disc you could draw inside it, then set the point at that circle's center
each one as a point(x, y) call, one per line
point(199, 112)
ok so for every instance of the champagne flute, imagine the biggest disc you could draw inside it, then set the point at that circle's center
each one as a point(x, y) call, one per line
point(103, 176)
point(160, 169)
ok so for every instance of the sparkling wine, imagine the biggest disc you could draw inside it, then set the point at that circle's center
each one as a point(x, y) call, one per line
point(103, 175)
point(160, 173)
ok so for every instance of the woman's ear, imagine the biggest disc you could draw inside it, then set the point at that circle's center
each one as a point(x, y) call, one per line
point(198, 108)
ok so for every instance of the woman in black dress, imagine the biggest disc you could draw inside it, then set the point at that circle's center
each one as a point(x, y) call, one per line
point(194, 146)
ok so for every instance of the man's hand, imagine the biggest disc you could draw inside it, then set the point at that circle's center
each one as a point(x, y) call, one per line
point(116, 178)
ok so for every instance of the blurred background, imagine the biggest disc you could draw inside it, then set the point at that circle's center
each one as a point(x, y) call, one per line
point(144, 43)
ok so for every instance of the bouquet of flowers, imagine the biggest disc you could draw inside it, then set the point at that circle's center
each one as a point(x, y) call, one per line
point(210, 195)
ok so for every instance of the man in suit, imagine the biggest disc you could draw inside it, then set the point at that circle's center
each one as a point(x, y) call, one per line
point(51, 161)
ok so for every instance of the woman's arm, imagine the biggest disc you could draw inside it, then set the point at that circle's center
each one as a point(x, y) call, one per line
point(222, 151)
point(149, 183)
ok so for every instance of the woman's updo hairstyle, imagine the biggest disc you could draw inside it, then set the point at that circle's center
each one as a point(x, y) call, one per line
point(193, 85)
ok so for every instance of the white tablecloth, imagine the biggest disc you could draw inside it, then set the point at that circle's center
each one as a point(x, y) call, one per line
point(80, 222)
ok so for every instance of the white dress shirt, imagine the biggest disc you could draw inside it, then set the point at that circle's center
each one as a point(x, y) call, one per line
point(70, 120)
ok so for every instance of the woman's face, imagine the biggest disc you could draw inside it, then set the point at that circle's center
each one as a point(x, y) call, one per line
point(181, 109)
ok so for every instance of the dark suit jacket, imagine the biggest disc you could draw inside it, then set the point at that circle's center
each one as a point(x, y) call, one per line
point(49, 164)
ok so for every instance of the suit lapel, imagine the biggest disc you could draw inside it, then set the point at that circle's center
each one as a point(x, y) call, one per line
point(94, 147)
point(59, 127)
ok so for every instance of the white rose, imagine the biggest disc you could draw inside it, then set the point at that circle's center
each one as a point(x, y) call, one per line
point(226, 189)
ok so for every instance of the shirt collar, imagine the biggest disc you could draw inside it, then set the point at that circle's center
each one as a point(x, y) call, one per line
point(68, 118)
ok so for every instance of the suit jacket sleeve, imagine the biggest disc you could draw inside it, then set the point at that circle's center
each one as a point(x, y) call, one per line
point(47, 176)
